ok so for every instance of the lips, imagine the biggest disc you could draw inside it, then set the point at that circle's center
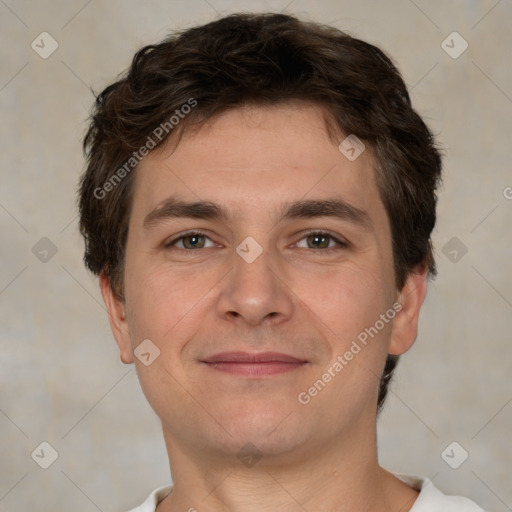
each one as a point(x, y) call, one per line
point(244, 364)
point(246, 357)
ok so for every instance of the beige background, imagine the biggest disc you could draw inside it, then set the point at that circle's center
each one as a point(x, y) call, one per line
point(61, 380)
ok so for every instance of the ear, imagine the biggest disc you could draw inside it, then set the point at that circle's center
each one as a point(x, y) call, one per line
point(116, 316)
point(405, 324)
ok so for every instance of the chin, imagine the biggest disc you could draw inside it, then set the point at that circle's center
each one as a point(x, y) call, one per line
point(272, 432)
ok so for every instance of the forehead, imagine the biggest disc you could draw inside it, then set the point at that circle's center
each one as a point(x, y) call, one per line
point(254, 158)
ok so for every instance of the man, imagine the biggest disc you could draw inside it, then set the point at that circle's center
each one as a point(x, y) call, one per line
point(258, 204)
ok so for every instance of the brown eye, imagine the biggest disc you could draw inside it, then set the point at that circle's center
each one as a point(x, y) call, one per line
point(191, 241)
point(321, 240)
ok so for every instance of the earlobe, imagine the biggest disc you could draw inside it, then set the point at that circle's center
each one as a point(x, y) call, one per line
point(405, 324)
point(117, 319)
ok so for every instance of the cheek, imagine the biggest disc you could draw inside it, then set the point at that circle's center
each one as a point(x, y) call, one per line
point(346, 301)
point(165, 307)
point(349, 306)
point(163, 303)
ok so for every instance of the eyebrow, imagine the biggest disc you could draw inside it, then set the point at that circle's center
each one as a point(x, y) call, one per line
point(305, 208)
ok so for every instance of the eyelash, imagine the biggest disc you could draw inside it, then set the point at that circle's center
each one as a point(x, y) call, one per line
point(341, 244)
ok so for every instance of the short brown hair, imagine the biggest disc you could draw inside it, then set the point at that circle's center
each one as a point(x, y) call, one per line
point(260, 59)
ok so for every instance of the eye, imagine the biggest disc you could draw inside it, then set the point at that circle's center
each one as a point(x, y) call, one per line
point(320, 240)
point(191, 240)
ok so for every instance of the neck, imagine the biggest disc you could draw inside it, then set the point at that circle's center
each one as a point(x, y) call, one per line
point(342, 475)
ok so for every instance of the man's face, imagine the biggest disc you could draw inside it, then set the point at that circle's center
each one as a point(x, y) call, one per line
point(304, 295)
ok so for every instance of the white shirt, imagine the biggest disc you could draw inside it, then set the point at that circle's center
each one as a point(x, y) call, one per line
point(430, 498)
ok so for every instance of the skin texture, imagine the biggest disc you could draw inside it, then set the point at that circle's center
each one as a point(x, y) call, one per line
point(294, 298)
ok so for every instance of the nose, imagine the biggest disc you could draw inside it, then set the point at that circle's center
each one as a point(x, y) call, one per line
point(256, 291)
